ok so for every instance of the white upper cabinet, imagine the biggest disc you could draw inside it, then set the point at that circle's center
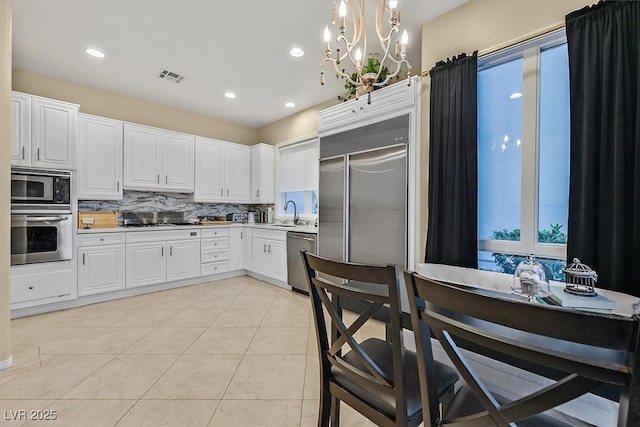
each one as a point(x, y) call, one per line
point(179, 161)
point(384, 102)
point(45, 132)
point(100, 165)
point(222, 172)
point(158, 160)
point(236, 172)
point(21, 129)
point(263, 173)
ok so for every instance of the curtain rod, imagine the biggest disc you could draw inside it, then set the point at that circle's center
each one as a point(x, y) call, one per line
point(515, 42)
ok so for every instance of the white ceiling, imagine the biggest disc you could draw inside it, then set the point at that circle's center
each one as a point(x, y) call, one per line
point(219, 46)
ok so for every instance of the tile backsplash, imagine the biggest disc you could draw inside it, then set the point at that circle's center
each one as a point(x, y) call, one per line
point(152, 202)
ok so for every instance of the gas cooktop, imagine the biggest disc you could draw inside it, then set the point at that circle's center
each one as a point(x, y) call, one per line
point(153, 219)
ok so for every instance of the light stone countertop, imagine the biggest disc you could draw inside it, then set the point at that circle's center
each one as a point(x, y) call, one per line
point(300, 229)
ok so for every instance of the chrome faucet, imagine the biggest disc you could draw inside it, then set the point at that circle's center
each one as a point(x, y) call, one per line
point(295, 211)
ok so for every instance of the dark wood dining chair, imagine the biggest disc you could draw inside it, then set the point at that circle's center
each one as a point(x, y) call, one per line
point(585, 350)
point(376, 377)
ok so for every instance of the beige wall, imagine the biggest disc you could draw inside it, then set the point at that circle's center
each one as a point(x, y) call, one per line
point(121, 107)
point(297, 126)
point(5, 179)
point(480, 25)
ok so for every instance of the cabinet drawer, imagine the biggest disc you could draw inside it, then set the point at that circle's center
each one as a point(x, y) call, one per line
point(212, 256)
point(96, 239)
point(214, 244)
point(41, 286)
point(214, 233)
point(214, 268)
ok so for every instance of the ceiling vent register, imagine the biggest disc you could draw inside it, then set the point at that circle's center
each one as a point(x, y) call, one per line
point(171, 76)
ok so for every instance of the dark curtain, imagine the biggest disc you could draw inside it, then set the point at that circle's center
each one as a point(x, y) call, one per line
point(452, 234)
point(604, 192)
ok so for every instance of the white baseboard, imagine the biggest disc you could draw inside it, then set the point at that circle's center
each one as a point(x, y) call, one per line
point(7, 363)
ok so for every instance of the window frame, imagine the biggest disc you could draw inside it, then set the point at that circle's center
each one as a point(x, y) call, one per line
point(529, 51)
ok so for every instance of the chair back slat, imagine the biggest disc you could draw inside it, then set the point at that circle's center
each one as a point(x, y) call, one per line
point(592, 349)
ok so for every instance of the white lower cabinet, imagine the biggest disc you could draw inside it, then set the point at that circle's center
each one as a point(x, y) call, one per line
point(146, 264)
point(214, 251)
point(162, 256)
point(101, 263)
point(269, 254)
point(42, 283)
point(183, 261)
point(236, 249)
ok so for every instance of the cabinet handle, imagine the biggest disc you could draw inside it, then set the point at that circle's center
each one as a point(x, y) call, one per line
point(269, 248)
point(38, 154)
point(227, 192)
point(23, 152)
point(170, 250)
point(162, 251)
point(83, 257)
point(241, 235)
point(257, 193)
point(166, 179)
point(222, 192)
point(158, 179)
point(118, 186)
point(264, 248)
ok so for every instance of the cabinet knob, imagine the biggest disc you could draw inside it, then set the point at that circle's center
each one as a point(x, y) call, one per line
point(102, 239)
point(30, 287)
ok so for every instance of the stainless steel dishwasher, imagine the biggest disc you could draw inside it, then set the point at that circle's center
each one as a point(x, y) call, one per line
point(296, 242)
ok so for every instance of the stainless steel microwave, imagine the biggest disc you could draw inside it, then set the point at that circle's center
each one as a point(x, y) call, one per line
point(40, 189)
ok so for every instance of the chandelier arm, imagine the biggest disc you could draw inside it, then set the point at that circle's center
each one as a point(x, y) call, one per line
point(390, 76)
point(343, 74)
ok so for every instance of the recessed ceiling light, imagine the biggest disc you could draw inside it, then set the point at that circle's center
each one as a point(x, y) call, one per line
point(515, 95)
point(95, 52)
point(230, 95)
point(289, 105)
point(296, 52)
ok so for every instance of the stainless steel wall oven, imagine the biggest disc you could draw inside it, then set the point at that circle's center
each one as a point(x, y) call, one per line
point(41, 218)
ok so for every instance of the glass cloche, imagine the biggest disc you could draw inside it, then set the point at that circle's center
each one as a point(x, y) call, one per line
point(530, 278)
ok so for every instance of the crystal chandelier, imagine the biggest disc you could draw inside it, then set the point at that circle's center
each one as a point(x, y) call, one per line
point(354, 47)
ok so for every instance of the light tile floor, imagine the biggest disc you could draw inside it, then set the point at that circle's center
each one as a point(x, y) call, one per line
point(235, 352)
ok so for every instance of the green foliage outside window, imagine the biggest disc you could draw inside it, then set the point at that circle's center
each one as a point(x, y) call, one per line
point(508, 262)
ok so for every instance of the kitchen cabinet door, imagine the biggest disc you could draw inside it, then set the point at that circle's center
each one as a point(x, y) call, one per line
point(278, 260)
point(143, 156)
point(21, 129)
point(236, 166)
point(146, 264)
point(263, 173)
point(101, 269)
point(54, 136)
point(236, 249)
point(209, 171)
point(183, 259)
point(100, 168)
point(260, 256)
point(179, 161)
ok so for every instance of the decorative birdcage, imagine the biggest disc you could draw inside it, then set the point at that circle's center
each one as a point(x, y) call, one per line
point(580, 279)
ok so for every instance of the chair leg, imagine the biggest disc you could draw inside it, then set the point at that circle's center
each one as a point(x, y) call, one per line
point(445, 400)
point(324, 409)
point(335, 412)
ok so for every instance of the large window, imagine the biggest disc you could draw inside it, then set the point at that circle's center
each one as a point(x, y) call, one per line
point(298, 179)
point(523, 155)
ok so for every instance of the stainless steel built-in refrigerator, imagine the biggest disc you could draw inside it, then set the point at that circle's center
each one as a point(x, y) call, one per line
point(363, 194)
